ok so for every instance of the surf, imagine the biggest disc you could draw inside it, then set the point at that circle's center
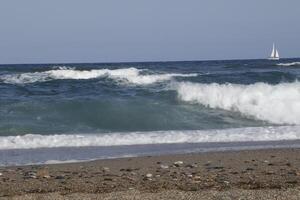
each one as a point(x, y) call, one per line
point(289, 64)
point(278, 104)
point(129, 75)
point(270, 133)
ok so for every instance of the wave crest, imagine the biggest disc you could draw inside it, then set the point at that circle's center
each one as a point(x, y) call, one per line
point(125, 75)
point(156, 137)
point(279, 104)
point(289, 64)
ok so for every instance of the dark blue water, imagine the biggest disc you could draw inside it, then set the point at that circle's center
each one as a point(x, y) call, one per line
point(56, 98)
point(131, 108)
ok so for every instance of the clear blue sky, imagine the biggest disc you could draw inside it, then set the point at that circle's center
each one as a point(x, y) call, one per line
point(35, 31)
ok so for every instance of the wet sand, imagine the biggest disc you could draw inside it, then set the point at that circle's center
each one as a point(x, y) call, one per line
point(253, 174)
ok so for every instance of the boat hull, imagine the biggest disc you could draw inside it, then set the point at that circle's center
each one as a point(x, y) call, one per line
point(273, 58)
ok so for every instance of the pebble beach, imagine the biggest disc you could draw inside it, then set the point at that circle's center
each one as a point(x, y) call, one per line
point(259, 174)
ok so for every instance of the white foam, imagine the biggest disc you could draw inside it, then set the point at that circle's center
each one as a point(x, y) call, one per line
point(50, 162)
point(289, 64)
point(157, 137)
point(278, 104)
point(125, 75)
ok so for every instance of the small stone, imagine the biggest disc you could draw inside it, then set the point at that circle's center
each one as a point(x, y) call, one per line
point(30, 175)
point(149, 175)
point(42, 173)
point(157, 175)
point(1, 174)
point(178, 163)
point(226, 182)
point(164, 166)
point(59, 177)
point(190, 175)
point(194, 166)
point(269, 172)
point(133, 173)
point(105, 169)
point(197, 178)
point(292, 172)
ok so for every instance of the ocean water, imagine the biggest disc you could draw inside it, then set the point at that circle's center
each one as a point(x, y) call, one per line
point(123, 109)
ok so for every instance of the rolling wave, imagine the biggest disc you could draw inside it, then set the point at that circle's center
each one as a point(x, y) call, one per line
point(125, 75)
point(279, 104)
point(156, 137)
point(289, 64)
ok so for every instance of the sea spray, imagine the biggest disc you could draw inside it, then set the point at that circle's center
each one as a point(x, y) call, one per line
point(279, 104)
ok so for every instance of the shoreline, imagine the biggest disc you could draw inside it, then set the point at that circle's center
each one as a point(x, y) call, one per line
point(60, 155)
point(241, 171)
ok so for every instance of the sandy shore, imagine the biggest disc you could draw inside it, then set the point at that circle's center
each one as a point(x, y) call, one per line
point(253, 174)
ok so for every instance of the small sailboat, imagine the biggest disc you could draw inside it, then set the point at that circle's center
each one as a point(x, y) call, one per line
point(274, 54)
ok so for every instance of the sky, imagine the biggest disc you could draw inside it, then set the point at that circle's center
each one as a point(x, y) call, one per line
point(64, 31)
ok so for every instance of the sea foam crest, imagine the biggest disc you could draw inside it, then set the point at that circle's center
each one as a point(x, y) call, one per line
point(125, 75)
point(289, 64)
point(156, 137)
point(279, 104)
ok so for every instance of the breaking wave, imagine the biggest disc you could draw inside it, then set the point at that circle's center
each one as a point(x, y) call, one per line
point(289, 64)
point(126, 75)
point(279, 104)
point(157, 137)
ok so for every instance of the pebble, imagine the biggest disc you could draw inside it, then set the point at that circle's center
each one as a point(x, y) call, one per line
point(59, 177)
point(164, 166)
point(226, 182)
point(149, 175)
point(42, 173)
point(178, 163)
point(30, 175)
point(105, 169)
point(191, 166)
point(1, 174)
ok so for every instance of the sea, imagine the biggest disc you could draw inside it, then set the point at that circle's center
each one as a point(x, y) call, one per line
point(56, 113)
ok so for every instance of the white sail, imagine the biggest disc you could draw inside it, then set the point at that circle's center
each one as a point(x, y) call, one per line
point(273, 52)
point(276, 54)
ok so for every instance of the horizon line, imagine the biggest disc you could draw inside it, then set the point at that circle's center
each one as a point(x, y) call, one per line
point(147, 61)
